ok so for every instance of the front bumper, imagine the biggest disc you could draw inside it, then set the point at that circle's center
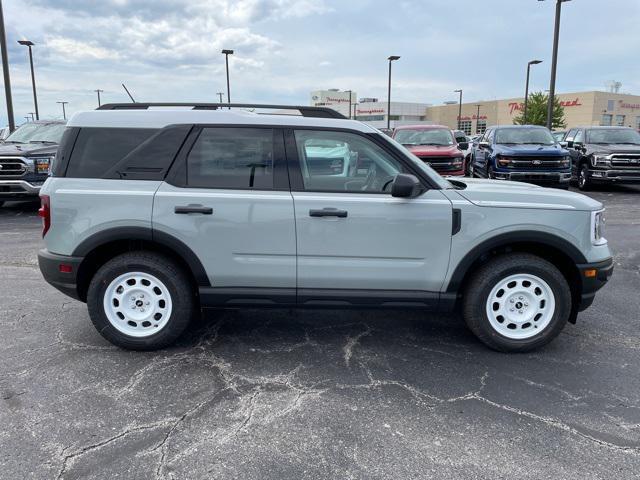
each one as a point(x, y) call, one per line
point(594, 276)
point(614, 176)
point(18, 189)
point(50, 266)
point(535, 177)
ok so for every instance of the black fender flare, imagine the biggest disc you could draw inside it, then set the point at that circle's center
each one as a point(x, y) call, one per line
point(146, 234)
point(510, 238)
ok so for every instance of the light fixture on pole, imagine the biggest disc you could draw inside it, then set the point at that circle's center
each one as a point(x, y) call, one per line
point(459, 107)
point(64, 111)
point(226, 61)
point(526, 88)
point(29, 44)
point(554, 62)
point(391, 59)
point(98, 91)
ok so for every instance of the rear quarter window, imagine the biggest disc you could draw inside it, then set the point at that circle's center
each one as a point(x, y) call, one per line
point(96, 150)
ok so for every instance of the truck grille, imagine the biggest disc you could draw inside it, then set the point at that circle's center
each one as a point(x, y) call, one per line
point(12, 167)
point(625, 160)
point(536, 163)
point(441, 164)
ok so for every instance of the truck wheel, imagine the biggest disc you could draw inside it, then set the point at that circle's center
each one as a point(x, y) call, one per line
point(490, 172)
point(517, 302)
point(141, 301)
point(584, 183)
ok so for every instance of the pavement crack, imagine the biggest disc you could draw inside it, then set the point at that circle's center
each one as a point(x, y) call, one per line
point(352, 342)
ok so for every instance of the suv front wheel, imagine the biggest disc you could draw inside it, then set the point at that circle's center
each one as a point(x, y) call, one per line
point(140, 301)
point(517, 302)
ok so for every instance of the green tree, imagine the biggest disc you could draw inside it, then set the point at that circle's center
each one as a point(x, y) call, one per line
point(537, 111)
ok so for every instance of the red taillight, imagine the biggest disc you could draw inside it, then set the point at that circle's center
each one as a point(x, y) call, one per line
point(45, 213)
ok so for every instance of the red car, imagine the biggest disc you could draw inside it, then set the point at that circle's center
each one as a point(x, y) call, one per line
point(435, 145)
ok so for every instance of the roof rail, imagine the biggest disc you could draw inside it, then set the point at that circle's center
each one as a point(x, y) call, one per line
point(317, 112)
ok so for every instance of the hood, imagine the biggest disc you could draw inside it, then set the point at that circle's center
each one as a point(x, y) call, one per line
point(434, 150)
point(532, 150)
point(614, 148)
point(500, 193)
point(26, 149)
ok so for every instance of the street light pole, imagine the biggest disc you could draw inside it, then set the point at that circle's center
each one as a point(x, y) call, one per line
point(98, 91)
point(355, 104)
point(5, 72)
point(220, 94)
point(226, 61)
point(29, 44)
point(391, 59)
point(64, 111)
point(459, 107)
point(32, 117)
point(554, 62)
point(349, 104)
point(478, 118)
point(526, 88)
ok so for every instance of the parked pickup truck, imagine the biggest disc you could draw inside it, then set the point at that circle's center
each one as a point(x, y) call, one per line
point(524, 153)
point(435, 145)
point(25, 159)
point(604, 155)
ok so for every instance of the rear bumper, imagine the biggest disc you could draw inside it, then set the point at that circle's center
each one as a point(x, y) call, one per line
point(615, 176)
point(593, 281)
point(66, 282)
point(535, 177)
point(18, 189)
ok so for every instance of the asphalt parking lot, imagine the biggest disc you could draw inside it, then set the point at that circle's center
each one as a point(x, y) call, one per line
point(317, 394)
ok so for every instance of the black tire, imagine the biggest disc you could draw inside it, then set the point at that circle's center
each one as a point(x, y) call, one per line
point(175, 279)
point(490, 173)
point(489, 275)
point(584, 182)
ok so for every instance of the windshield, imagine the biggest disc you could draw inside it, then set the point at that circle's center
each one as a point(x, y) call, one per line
point(431, 173)
point(615, 135)
point(436, 136)
point(37, 133)
point(524, 136)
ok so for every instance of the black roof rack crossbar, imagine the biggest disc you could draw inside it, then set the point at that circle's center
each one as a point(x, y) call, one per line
point(317, 112)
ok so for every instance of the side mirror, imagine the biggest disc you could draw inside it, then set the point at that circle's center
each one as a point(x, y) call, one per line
point(483, 144)
point(569, 143)
point(463, 145)
point(577, 145)
point(406, 186)
point(563, 144)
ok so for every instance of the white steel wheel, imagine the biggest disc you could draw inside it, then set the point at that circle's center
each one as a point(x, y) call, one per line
point(520, 306)
point(137, 304)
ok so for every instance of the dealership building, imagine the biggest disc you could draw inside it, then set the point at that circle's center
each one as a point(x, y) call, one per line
point(580, 108)
point(370, 110)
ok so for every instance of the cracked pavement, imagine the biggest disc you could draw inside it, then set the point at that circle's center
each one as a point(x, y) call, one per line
point(316, 394)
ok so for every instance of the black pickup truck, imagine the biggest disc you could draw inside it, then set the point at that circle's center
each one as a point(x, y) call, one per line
point(25, 159)
point(604, 155)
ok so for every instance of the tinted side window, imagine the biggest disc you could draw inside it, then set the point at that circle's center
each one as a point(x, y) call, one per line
point(579, 136)
point(98, 149)
point(570, 135)
point(63, 153)
point(236, 158)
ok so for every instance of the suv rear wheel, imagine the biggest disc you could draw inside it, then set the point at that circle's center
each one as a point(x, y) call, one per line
point(140, 301)
point(517, 302)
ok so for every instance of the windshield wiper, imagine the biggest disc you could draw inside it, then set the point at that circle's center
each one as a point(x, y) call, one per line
point(628, 143)
point(43, 141)
point(12, 141)
point(435, 144)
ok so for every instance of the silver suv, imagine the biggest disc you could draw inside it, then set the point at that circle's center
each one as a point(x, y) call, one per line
point(154, 212)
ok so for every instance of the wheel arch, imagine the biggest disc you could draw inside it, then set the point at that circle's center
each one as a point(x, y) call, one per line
point(553, 248)
point(102, 246)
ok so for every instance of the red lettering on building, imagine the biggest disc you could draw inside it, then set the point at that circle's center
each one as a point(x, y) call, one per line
point(632, 106)
point(518, 106)
point(369, 112)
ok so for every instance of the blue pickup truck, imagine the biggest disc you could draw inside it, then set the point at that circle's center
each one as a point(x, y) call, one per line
point(524, 153)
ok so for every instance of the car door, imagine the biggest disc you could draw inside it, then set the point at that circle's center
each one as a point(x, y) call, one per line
point(480, 153)
point(227, 198)
point(568, 138)
point(353, 238)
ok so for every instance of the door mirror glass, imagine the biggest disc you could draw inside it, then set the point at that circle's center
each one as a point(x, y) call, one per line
point(406, 185)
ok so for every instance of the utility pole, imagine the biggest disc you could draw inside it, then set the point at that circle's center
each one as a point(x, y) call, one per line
point(32, 117)
point(391, 59)
point(5, 72)
point(554, 63)
point(478, 118)
point(64, 112)
point(98, 91)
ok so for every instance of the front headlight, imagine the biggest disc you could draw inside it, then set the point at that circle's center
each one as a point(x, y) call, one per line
point(600, 161)
point(597, 228)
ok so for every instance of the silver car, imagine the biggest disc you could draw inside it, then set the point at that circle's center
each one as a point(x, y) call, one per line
point(151, 215)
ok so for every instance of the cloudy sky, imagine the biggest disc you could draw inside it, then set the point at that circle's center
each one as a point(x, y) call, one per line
point(169, 50)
